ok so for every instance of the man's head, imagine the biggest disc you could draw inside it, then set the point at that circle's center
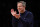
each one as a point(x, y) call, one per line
point(21, 6)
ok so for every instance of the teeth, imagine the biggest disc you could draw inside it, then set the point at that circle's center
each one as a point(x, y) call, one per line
point(19, 10)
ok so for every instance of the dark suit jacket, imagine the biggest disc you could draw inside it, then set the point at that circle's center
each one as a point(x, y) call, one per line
point(26, 20)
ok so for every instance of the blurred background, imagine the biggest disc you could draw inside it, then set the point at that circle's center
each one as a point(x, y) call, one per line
point(7, 5)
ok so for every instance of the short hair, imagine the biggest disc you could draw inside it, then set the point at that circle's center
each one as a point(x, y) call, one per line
point(23, 3)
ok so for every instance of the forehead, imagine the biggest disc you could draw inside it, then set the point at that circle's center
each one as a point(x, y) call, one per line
point(19, 4)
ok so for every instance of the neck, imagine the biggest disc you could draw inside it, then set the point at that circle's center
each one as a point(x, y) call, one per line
point(23, 11)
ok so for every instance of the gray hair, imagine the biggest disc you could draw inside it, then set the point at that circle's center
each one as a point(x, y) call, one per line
point(23, 3)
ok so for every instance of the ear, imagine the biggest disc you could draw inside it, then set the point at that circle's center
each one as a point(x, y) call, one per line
point(24, 6)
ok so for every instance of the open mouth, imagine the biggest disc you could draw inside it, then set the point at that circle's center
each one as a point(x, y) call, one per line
point(19, 10)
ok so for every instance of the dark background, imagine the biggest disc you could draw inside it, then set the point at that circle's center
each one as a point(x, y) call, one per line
point(7, 5)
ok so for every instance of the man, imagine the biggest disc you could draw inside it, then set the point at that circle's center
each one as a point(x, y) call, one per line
point(24, 18)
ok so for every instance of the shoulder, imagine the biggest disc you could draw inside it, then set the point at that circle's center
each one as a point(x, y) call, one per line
point(29, 13)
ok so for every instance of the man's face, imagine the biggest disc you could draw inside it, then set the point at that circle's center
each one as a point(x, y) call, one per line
point(20, 7)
